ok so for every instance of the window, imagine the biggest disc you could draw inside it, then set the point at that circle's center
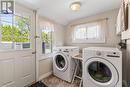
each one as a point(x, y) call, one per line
point(14, 32)
point(90, 33)
point(46, 36)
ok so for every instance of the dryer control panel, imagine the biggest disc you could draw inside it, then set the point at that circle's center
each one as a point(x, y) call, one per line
point(108, 54)
point(113, 54)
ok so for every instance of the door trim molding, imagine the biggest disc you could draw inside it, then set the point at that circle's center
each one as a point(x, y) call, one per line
point(45, 75)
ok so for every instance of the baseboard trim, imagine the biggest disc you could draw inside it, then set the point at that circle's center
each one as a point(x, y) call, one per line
point(45, 75)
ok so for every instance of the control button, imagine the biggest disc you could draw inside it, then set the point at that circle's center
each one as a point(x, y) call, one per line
point(114, 52)
point(98, 53)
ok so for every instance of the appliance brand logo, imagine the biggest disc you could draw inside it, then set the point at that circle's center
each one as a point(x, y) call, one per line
point(7, 7)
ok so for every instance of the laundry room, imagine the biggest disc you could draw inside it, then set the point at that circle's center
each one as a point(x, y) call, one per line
point(64, 43)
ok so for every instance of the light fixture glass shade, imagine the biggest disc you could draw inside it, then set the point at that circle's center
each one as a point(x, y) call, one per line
point(75, 6)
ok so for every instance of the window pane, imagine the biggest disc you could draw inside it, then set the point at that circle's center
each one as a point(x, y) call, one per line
point(26, 45)
point(46, 39)
point(14, 32)
point(93, 32)
point(6, 28)
point(6, 17)
point(80, 33)
point(6, 40)
point(6, 33)
point(22, 29)
point(22, 32)
point(6, 45)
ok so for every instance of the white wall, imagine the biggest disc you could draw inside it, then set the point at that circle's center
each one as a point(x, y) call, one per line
point(112, 38)
point(45, 63)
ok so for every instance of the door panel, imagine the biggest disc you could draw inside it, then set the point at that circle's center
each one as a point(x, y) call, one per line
point(25, 70)
point(28, 75)
point(7, 73)
point(27, 66)
point(12, 84)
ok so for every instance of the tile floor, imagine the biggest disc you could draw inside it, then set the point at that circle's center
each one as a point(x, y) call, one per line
point(53, 81)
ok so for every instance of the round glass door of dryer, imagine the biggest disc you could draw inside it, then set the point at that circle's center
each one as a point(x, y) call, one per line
point(61, 62)
point(101, 72)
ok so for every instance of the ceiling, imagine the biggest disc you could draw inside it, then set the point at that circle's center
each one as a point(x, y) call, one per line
point(59, 11)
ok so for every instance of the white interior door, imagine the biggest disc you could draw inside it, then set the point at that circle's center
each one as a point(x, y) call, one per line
point(17, 65)
point(44, 31)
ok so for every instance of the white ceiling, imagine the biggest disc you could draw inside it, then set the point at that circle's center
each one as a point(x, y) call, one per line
point(59, 11)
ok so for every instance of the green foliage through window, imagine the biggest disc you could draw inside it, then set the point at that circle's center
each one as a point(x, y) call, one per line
point(17, 33)
point(46, 36)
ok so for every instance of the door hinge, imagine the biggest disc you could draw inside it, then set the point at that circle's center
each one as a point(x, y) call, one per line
point(34, 52)
point(37, 36)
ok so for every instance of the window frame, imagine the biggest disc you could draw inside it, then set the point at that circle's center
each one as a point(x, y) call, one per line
point(47, 55)
point(101, 40)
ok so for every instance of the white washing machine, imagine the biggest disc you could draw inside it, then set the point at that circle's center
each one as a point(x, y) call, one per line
point(102, 67)
point(63, 64)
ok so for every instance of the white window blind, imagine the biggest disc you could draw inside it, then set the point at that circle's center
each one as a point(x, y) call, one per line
point(93, 32)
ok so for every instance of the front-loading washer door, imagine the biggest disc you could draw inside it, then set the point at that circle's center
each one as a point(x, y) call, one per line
point(60, 61)
point(101, 72)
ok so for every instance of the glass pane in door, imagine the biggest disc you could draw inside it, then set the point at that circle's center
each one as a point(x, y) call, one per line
point(100, 72)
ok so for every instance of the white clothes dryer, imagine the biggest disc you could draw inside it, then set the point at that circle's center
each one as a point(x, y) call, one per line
point(102, 67)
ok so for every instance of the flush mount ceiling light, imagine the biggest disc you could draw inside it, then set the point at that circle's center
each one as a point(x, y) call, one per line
point(75, 6)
